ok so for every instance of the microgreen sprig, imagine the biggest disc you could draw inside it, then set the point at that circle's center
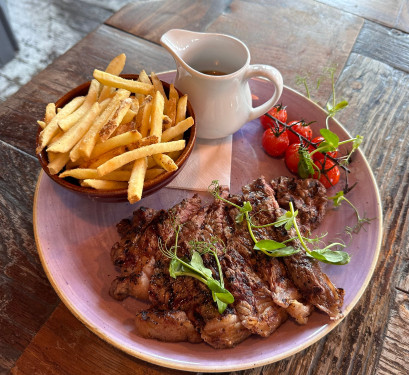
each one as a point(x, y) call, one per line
point(196, 269)
point(337, 200)
point(288, 220)
point(325, 255)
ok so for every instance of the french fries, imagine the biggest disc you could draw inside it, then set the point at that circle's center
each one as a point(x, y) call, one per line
point(119, 135)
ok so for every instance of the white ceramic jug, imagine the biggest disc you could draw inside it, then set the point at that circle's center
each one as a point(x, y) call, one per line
point(213, 70)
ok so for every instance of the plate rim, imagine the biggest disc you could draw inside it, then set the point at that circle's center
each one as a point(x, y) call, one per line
point(189, 366)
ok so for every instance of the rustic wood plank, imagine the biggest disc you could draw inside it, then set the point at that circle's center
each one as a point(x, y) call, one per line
point(281, 44)
point(26, 297)
point(19, 113)
point(149, 20)
point(372, 89)
point(65, 346)
point(403, 19)
point(390, 13)
point(395, 353)
point(380, 43)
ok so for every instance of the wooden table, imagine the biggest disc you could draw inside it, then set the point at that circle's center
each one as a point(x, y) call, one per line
point(366, 40)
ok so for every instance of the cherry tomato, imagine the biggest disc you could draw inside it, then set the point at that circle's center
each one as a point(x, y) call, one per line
point(292, 158)
point(278, 111)
point(319, 155)
point(329, 173)
point(301, 128)
point(275, 143)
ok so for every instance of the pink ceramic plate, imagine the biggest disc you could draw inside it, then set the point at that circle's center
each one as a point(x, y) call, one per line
point(75, 236)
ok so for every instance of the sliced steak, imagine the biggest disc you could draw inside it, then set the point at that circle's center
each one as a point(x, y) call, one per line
point(266, 289)
point(136, 252)
point(169, 326)
point(308, 196)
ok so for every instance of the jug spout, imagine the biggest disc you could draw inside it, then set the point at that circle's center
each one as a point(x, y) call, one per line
point(178, 43)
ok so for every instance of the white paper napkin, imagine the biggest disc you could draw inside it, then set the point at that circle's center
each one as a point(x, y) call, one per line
point(210, 160)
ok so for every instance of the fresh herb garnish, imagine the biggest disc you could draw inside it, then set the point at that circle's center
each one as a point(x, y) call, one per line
point(195, 268)
point(288, 220)
point(337, 200)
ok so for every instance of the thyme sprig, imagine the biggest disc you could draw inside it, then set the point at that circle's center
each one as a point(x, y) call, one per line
point(196, 269)
point(288, 220)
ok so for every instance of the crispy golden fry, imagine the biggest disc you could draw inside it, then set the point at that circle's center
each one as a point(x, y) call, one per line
point(157, 115)
point(49, 113)
point(145, 119)
point(159, 87)
point(115, 67)
point(58, 162)
point(91, 137)
point(127, 157)
point(115, 120)
point(114, 142)
point(166, 122)
point(88, 173)
point(181, 109)
point(136, 180)
point(143, 77)
point(122, 83)
point(92, 96)
point(177, 130)
point(95, 163)
point(145, 141)
point(165, 162)
point(75, 153)
point(42, 124)
point(104, 184)
point(153, 172)
point(151, 162)
point(129, 116)
point(125, 127)
point(74, 134)
point(52, 128)
point(172, 104)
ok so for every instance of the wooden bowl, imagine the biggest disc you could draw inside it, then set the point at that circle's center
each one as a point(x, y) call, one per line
point(119, 195)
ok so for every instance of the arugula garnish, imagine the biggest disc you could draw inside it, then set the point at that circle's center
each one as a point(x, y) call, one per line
point(195, 268)
point(288, 220)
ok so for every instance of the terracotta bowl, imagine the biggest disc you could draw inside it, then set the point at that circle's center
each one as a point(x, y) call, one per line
point(119, 195)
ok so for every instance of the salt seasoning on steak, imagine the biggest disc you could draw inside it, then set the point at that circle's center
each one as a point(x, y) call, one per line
point(266, 290)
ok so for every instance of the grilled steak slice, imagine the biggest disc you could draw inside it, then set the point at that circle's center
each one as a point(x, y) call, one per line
point(224, 331)
point(314, 284)
point(191, 296)
point(309, 197)
point(136, 252)
point(265, 211)
point(169, 326)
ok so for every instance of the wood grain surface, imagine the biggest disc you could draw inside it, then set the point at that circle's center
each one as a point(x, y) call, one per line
point(393, 13)
point(272, 31)
point(373, 75)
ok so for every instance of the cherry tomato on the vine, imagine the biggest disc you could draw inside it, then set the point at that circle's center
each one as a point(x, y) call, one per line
point(300, 127)
point(275, 143)
point(329, 172)
point(279, 112)
point(318, 155)
point(292, 157)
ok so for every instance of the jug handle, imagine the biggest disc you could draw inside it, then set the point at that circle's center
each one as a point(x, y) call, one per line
point(274, 76)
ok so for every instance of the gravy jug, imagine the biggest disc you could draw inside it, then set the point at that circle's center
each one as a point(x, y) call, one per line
point(213, 70)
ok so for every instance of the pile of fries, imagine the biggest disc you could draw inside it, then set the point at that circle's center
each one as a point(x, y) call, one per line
point(122, 133)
